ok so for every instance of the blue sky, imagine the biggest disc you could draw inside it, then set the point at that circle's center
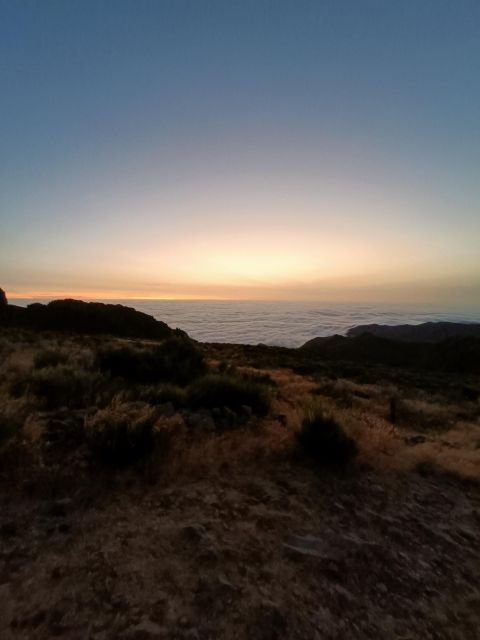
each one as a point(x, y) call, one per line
point(241, 149)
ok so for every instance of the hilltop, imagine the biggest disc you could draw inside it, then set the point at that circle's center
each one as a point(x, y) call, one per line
point(85, 317)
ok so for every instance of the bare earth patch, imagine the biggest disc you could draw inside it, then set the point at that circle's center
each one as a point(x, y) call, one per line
point(284, 553)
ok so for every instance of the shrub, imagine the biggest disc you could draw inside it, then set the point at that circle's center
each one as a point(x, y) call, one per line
point(163, 393)
point(63, 386)
point(259, 378)
point(324, 439)
point(232, 392)
point(122, 433)
point(176, 360)
point(49, 358)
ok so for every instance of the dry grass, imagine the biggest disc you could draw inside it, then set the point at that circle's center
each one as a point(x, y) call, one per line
point(451, 429)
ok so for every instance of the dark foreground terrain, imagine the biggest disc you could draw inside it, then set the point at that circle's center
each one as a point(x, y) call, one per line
point(160, 489)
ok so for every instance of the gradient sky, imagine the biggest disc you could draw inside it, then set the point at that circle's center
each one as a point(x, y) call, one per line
point(237, 149)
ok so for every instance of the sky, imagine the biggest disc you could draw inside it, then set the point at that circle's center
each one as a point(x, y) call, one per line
point(320, 150)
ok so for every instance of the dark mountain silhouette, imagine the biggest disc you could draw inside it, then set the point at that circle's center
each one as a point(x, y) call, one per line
point(425, 332)
point(459, 354)
point(87, 317)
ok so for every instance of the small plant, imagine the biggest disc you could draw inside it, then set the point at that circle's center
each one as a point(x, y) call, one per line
point(259, 378)
point(163, 393)
point(233, 392)
point(122, 433)
point(324, 439)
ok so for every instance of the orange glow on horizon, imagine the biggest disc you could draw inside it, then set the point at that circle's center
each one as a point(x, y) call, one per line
point(108, 295)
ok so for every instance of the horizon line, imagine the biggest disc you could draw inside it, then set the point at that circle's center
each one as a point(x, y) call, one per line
point(87, 297)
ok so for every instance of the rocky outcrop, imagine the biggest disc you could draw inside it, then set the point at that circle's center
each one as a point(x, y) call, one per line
point(3, 298)
point(425, 332)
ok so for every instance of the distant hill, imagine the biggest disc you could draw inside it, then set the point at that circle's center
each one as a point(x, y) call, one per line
point(458, 354)
point(425, 332)
point(86, 317)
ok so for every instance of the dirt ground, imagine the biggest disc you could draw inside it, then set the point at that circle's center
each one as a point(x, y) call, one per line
point(274, 553)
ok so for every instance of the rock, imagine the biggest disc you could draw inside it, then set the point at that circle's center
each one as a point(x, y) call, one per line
point(269, 622)
point(225, 585)
point(8, 529)
point(58, 509)
point(282, 419)
point(3, 298)
point(209, 556)
point(308, 546)
point(146, 629)
point(230, 416)
point(56, 573)
point(343, 595)
point(246, 410)
point(200, 420)
point(194, 532)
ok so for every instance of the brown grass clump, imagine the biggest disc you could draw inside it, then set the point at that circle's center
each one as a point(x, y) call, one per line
point(125, 433)
point(323, 437)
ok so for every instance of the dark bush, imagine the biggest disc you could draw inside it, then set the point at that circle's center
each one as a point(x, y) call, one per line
point(122, 434)
point(49, 358)
point(324, 439)
point(176, 360)
point(233, 392)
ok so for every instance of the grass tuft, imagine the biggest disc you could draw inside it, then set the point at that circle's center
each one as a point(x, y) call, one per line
point(121, 434)
point(324, 439)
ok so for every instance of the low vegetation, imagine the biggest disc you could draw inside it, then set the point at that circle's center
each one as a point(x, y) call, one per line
point(63, 386)
point(324, 439)
point(106, 401)
point(122, 433)
point(175, 360)
point(234, 392)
